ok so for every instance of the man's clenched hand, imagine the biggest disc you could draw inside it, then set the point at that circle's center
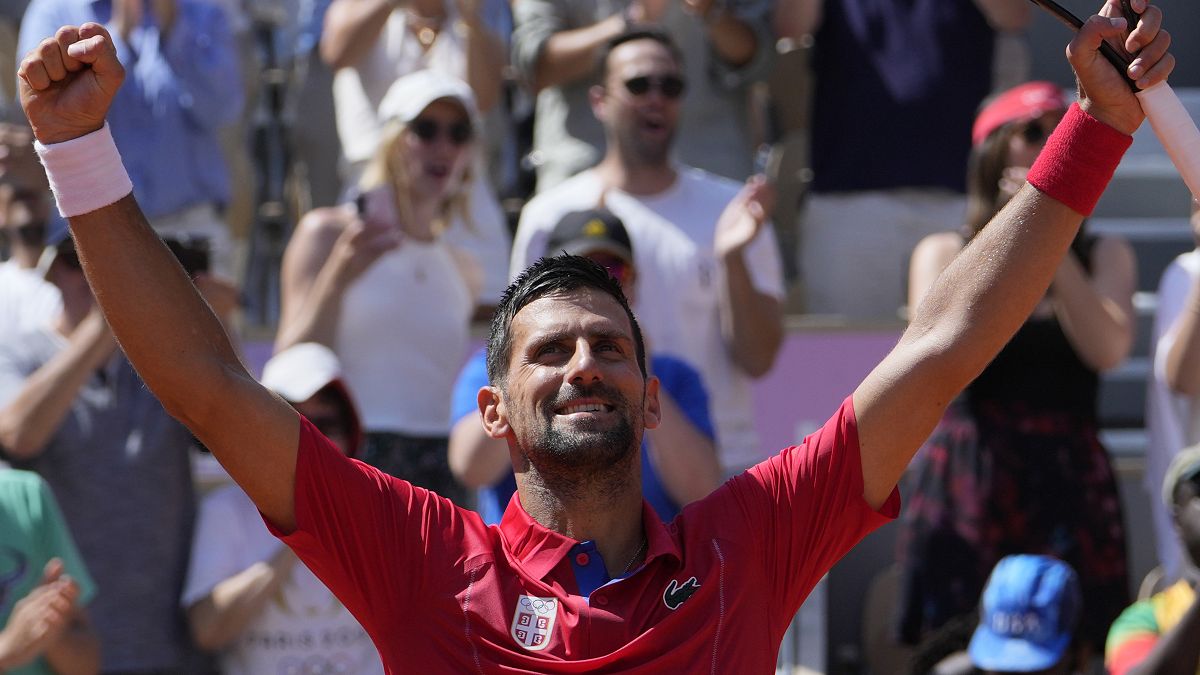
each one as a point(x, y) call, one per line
point(68, 82)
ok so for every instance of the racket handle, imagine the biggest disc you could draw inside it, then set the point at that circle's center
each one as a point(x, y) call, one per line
point(1176, 130)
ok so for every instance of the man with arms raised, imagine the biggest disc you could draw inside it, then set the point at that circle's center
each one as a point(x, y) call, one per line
point(428, 581)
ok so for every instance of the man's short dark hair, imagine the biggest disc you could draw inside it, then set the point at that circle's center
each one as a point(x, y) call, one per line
point(638, 33)
point(552, 275)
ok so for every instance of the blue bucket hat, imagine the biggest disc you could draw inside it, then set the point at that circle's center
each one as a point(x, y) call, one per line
point(1028, 615)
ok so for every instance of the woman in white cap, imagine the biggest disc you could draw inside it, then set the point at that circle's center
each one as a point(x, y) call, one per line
point(376, 283)
point(1016, 466)
point(246, 597)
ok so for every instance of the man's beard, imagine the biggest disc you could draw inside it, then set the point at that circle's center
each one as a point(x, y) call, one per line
point(643, 153)
point(554, 449)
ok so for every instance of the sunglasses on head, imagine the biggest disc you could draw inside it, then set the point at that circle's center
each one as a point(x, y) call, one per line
point(427, 130)
point(670, 86)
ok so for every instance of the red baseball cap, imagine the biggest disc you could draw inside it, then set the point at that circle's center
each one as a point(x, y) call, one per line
point(1023, 102)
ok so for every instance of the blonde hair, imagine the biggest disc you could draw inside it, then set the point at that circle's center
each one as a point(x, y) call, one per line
point(386, 168)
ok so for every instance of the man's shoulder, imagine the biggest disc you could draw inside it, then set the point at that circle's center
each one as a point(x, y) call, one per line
point(577, 192)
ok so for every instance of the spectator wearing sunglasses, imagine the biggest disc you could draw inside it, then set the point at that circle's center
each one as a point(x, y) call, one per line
point(247, 597)
point(711, 280)
point(1015, 463)
point(365, 277)
point(678, 459)
point(27, 300)
point(726, 46)
point(373, 43)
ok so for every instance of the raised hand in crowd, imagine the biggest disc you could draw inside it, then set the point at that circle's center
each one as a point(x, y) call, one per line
point(744, 217)
point(48, 623)
point(751, 321)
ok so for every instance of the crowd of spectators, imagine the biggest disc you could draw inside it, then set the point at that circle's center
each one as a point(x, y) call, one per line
point(469, 139)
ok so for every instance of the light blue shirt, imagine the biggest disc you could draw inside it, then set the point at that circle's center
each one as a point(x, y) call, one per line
point(178, 91)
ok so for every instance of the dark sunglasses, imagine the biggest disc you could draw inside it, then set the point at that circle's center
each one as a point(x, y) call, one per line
point(459, 133)
point(1033, 132)
point(670, 86)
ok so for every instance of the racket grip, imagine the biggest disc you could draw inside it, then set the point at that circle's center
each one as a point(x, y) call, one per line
point(1176, 130)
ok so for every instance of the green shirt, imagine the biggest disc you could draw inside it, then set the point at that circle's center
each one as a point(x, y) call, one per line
point(32, 531)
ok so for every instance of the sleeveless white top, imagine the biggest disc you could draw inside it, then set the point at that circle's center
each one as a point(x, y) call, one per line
point(402, 336)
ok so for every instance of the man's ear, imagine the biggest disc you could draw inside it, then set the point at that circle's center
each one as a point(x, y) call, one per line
point(493, 412)
point(596, 100)
point(652, 411)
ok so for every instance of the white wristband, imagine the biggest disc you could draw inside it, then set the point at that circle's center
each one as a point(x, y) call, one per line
point(85, 173)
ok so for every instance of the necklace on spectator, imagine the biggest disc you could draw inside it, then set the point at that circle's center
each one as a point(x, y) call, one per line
point(636, 553)
point(425, 28)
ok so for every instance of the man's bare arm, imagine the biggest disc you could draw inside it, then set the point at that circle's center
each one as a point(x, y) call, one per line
point(31, 419)
point(167, 330)
point(991, 287)
point(352, 27)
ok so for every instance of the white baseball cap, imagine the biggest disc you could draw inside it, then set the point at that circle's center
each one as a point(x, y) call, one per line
point(300, 371)
point(411, 94)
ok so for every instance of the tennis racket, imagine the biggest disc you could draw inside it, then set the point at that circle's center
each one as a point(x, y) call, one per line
point(1169, 119)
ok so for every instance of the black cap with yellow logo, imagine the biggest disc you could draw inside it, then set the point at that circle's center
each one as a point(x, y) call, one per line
point(584, 232)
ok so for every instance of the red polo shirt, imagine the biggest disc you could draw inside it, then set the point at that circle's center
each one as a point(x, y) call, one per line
point(439, 591)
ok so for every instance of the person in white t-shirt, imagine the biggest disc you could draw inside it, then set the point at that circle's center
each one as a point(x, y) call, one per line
point(247, 596)
point(1173, 391)
point(711, 279)
point(27, 300)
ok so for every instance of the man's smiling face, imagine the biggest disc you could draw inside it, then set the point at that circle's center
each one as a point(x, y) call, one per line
point(575, 396)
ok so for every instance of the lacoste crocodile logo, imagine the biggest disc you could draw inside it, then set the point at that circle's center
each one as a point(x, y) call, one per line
point(676, 593)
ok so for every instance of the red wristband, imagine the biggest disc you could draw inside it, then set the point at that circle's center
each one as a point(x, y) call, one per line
point(1079, 160)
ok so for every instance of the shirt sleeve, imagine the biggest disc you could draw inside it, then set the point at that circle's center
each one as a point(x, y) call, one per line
point(198, 68)
point(684, 384)
point(804, 508)
point(465, 399)
point(58, 543)
point(215, 548)
point(372, 539)
point(534, 21)
point(1131, 638)
point(1173, 290)
point(757, 15)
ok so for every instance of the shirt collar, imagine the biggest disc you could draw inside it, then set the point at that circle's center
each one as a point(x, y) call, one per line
point(539, 549)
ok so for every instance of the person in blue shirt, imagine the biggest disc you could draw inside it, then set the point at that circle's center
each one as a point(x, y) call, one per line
point(182, 84)
point(679, 459)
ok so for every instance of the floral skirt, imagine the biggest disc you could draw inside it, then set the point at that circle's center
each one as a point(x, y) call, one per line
point(997, 479)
